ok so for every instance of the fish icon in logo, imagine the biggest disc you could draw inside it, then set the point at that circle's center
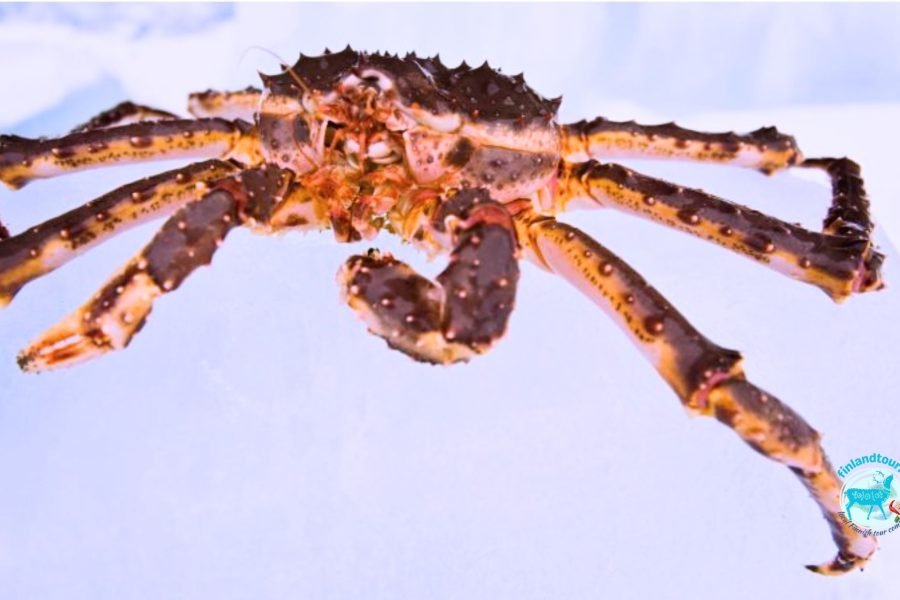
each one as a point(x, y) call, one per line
point(870, 497)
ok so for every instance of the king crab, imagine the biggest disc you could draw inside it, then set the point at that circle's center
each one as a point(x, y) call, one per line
point(461, 161)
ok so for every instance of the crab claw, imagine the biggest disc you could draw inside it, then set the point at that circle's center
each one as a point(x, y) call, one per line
point(66, 343)
point(107, 322)
point(894, 509)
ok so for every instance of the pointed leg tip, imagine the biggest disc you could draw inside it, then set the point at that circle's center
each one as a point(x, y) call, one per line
point(60, 347)
point(24, 360)
point(31, 360)
point(870, 279)
point(13, 183)
point(840, 565)
point(50, 358)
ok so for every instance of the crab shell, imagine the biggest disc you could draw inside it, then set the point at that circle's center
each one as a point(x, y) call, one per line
point(452, 128)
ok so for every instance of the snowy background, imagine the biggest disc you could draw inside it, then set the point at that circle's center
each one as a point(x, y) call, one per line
point(255, 442)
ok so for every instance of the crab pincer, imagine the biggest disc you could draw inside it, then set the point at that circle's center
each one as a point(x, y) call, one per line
point(466, 310)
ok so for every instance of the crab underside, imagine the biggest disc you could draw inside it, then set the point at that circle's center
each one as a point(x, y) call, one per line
point(465, 161)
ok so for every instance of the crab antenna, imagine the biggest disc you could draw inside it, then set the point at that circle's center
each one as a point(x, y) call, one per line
point(282, 63)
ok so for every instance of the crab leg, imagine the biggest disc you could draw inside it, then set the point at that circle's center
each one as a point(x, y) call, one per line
point(849, 211)
point(226, 105)
point(22, 159)
point(118, 311)
point(840, 265)
point(125, 113)
point(765, 149)
point(188, 240)
point(706, 377)
point(39, 250)
point(462, 314)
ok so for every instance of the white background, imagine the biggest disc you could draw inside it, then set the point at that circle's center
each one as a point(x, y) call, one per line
point(255, 442)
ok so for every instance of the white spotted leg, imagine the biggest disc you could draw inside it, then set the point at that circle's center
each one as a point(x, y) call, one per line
point(841, 260)
point(243, 104)
point(23, 159)
point(765, 149)
point(707, 378)
point(45, 247)
point(232, 106)
point(117, 312)
point(188, 240)
point(125, 113)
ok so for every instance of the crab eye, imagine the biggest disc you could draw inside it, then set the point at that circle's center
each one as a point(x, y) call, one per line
point(331, 131)
point(301, 130)
point(375, 79)
point(371, 81)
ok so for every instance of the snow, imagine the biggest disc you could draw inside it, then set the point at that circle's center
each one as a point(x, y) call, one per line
point(254, 441)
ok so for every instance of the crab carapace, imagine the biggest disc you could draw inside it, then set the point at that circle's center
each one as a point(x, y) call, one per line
point(465, 161)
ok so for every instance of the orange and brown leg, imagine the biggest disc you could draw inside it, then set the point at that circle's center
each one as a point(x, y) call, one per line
point(849, 212)
point(706, 377)
point(841, 261)
point(243, 104)
point(110, 319)
point(41, 249)
point(125, 113)
point(765, 149)
point(466, 310)
point(23, 159)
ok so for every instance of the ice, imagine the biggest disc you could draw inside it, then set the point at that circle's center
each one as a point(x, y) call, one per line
point(254, 441)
